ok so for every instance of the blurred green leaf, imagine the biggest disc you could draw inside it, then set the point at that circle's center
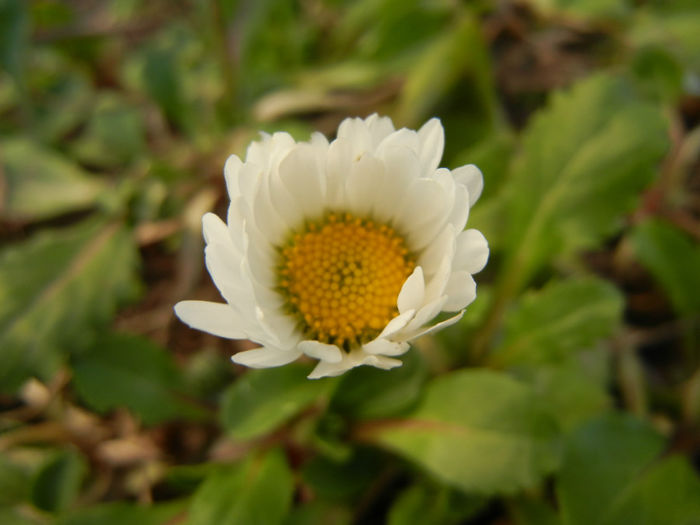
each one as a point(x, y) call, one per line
point(584, 160)
point(256, 492)
point(319, 513)
point(429, 505)
point(658, 73)
point(569, 394)
point(14, 482)
point(382, 30)
point(672, 26)
point(55, 290)
point(674, 259)
point(39, 183)
point(602, 462)
point(366, 392)
point(564, 317)
point(459, 51)
point(58, 482)
point(11, 516)
point(181, 76)
point(130, 371)
point(14, 33)
point(63, 96)
point(586, 8)
point(668, 492)
point(529, 511)
point(262, 400)
point(477, 430)
point(335, 480)
point(124, 513)
point(114, 135)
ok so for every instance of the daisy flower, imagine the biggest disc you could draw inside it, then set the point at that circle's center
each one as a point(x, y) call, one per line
point(342, 251)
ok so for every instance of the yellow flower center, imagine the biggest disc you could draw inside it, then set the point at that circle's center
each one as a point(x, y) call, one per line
point(342, 277)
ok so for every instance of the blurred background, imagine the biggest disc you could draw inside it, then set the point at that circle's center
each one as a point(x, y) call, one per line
point(581, 353)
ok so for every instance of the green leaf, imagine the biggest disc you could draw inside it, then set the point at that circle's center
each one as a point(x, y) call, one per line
point(14, 34)
point(457, 50)
point(58, 482)
point(124, 513)
point(671, 26)
point(256, 492)
point(673, 258)
point(602, 461)
point(476, 430)
point(429, 505)
point(564, 317)
point(616, 9)
point(40, 183)
point(334, 480)
point(584, 161)
point(130, 371)
point(569, 394)
point(14, 482)
point(529, 511)
point(319, 512)
point(56, 289)
point(262, 400)
point(114, 135)
point(668, 493)
point(11, 516)
point(367, 392)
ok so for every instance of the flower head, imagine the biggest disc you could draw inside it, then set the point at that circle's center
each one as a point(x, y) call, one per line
point(343, 251)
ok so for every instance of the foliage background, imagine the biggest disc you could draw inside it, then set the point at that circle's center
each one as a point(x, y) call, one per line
point(570, 392)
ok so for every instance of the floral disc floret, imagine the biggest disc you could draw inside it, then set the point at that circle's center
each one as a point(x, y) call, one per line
point(342, 276)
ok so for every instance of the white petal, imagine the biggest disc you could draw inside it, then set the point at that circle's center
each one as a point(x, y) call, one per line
point(432, 143)
point(278, 327)
point(321, 351)
point(384, 347)
point(423, 316)
point(379, 128)
point(361, 183)
point(340, 156)
point(435, 286)
point(286, 205)
point(422, 235)
point(401, 169)
point(406, 138)
point(300, 173)
point(424, 202)
point(265, 357)
point(412, 292)
point(326, 369)
point(248, 179)
point(472, 251)
point(214, 229)
point(215, 318)
point(319, 140)
point(460, 290)
point(379, 361)
point(436, 327)
point(397, 323)
point(223, 265)
point(472, 178)
point(268, 152)
point(460, 208)
point(267, 219)
point(232, 170)
point(442, 246)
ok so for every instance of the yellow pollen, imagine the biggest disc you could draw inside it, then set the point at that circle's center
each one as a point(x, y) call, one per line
point(342, 277)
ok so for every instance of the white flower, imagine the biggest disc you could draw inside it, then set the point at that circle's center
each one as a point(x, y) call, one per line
point(343, 251)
